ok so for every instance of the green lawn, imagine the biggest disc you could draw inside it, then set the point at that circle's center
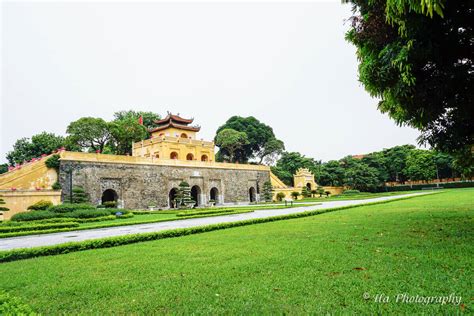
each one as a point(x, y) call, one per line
point(359, 196)
point(319, 264)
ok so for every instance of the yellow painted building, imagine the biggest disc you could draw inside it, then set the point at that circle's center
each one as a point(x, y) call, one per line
point(174, 138)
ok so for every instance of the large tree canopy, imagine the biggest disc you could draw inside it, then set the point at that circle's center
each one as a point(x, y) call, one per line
point(89, 133)
point(25, 149)
point(262, 143)
point(417, 57)
point(231, 141)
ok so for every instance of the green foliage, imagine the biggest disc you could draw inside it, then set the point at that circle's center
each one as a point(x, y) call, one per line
point(320, 191)
point(267, 191)
point(124, 133)
point(290, 162)
point(36, 227)
point(3, 168)
point(53, 162)
point(262, 143)
point(3, 208)
point(280, 196)
point(87, 213)
point(231, 141)
point(361, 177)
point(420, 165)
point(40, 205)
point(350, 192)
point(183, 196)
point(79, 196)
point(11, 305)
point(149, 118)
point(208, 212)
point(56, 186)
point(295, 195)
point(420, 65)
point(110, 204)
point(33, 216)
point(25, 149)
point(305, 192)
point(89, 133)
point(69, 207)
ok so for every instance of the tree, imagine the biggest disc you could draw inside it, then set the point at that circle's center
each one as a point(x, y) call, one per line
point(89, 133)
point(361, 177)
point(183, 196)
point(79, 195)
point(3, 168)
point(395, 162)
point(231, 141)
point(262, 143)
point(320, 191)
point(25, 149)
point(267, 191)
point(125, 132)
point(3, 208)
point(417, 58)
point(295, 195)
point(331, 174)
point(289, 163)
point(421, 165)
point(149, 118)
point(305, 192)
point(280, 196)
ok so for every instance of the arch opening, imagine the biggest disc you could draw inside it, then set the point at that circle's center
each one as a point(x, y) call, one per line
point(196, 194)
point(252, 195)
point(189, 156)
point(172, 196)
point(109, 195)
point(204, 158)
point(184, 135)
point(174, 155)
point(214, 195)
point(308, 186)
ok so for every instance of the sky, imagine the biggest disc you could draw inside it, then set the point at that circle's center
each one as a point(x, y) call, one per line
point(287, 64)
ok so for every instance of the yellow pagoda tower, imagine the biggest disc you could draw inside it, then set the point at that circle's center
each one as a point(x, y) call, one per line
point(175, 138)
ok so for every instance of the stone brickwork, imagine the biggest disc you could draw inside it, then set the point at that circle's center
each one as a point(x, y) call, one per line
point(139, 186)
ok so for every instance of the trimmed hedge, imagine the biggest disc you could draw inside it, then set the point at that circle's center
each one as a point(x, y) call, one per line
point(33, 216)
point(446, 185)
point(40, 205)
point(25, 253)
point(12, 229)
point(12, 305)
point(86, 213)
point(70, 207)
point(351, 192)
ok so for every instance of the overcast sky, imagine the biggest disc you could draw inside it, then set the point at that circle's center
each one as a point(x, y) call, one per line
point(286, 64)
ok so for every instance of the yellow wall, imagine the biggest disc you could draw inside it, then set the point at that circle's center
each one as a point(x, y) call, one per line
point(162, 147)
point(31, 176)
point(18, 201)
point(174, 132)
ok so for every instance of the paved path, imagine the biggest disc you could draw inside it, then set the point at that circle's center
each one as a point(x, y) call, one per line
point(80, 235)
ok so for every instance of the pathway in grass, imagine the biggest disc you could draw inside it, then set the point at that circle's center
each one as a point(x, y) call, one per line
point(320, 264)
point(31, 241)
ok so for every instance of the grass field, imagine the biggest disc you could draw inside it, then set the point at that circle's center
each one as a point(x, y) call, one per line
point(320, 264)
point(358, 196)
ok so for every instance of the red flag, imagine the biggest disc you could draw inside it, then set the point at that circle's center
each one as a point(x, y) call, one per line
point(140, 120)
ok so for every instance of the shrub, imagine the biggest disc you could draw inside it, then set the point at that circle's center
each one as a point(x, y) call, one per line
point(40, 205)
point(295, 195)
point(33, 216)
point(53, 162)
point(69, 207)
point(81, 213)
point(56, 186)
point(35, 227)
point(79, 195)
point(110, 204)
point(350, 192)
point(280, 196)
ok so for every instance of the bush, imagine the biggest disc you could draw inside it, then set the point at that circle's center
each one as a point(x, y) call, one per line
point(350, 192)
point(56, 186)
point(33, 216)
point(53, 162)
point(280, 196)
point(79, 195)
point(2, 208)
point(87, 213)
point(110, 204)
point(69, 207)
point(40, 205)
point(34, 227)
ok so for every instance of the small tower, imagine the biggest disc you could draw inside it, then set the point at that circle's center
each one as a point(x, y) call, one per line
point(174, 138)
point(304, 177)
